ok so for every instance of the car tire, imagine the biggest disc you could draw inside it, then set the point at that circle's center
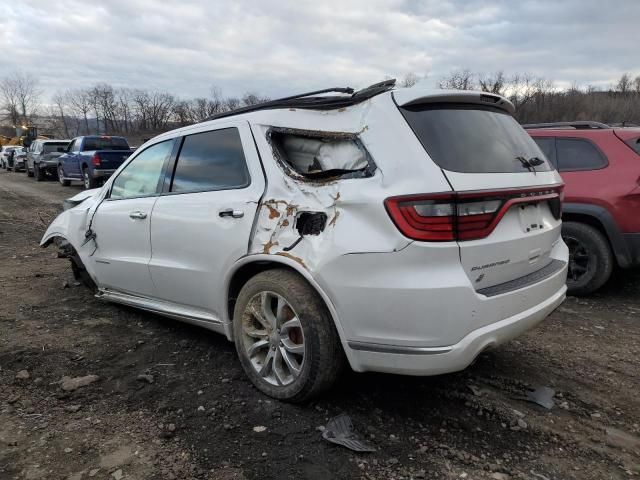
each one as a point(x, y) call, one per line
point(302, 356)
point(38, 173)
point(590, 258)
point(61, 179)
point(88, 180)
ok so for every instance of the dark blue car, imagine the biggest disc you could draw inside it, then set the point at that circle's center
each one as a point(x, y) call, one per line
point(92, 159)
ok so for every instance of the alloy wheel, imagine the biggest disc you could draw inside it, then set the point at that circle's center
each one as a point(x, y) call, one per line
point(87, 180)
point(273, 338)
point(579, 259)
point(60, 174)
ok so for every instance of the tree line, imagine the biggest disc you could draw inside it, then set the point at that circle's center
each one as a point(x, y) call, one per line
point(141, 113)
point(538, 100)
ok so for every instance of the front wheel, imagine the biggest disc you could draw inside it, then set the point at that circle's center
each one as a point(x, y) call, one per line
point(61, 178)
point(590, 258)
point(285, 337)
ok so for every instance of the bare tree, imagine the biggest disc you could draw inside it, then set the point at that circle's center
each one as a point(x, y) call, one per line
point(409, 80)
point(80, 103)
point(458, 80)
point(493, 83)
point(60, 101)
point(625, 84)
point(20, 97)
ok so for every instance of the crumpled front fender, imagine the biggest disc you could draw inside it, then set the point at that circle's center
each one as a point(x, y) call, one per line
point(72, 223)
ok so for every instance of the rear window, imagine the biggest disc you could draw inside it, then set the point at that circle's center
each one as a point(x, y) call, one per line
point(105, 143)
point(53, 147)
point(473, 139)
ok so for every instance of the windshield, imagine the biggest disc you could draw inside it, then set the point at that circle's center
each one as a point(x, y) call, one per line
point(53, 147)
point(474, 139)
point(105, 143)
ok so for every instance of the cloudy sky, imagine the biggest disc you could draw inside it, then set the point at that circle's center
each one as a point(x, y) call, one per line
point(286, 46)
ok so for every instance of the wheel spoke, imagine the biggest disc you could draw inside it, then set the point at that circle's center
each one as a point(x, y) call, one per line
point(267, 311)
point(291, 364)
point(267, 366)
point(277, 367)
point(297, 348)
point(257, 314)
point(260, 344)
point(293, 323)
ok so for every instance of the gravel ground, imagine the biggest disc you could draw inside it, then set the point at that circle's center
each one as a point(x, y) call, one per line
point(164, 400)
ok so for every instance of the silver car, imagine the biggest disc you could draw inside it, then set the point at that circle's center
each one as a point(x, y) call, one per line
point(42, 158)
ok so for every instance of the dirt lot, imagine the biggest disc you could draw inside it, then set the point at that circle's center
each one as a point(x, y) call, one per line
point(194, 415)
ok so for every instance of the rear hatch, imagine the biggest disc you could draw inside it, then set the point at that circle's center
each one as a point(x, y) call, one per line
point(110, 152)
point(110, 159)
point(504, 208)
point(50, 150)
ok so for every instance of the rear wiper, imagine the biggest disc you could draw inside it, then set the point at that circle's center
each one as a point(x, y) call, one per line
point(531, 163)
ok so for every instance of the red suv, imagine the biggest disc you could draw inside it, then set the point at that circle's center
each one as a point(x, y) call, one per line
point(600, 166)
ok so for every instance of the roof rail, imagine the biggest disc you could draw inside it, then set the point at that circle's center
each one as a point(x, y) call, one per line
point(312, 101)
point(577, 125)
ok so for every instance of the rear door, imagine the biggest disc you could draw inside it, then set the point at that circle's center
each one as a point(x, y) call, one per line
point(508, 214)
point(202, 223)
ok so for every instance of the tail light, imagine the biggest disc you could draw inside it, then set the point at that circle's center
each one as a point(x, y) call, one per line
point(453, 216)
point(95, 160)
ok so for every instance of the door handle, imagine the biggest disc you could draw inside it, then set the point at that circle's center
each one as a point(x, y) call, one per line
point(138, 215)
point(229, 212)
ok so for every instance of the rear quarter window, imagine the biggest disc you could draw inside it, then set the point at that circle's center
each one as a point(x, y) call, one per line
point(576, 154)
point(472, 138)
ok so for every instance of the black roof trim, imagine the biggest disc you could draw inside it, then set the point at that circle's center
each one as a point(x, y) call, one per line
point(583, 125)
point(312, 101)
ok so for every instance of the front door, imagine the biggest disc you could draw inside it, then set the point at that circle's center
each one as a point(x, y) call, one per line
point(201, 225)
point(70, 159)
point(122, 223)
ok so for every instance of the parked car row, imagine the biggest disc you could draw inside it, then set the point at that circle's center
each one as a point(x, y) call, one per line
point(90, 159)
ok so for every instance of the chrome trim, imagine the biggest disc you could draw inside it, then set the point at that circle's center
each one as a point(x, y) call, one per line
point(183, 313)
point(398, 349)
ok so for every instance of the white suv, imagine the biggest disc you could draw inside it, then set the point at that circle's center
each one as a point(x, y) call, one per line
point(400, 231)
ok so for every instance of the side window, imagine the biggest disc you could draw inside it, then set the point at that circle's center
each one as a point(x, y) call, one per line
point(71, 146)
point(548, 147)
point(211, 161)
point(142, 175)
point(76, 145)
point(578, 154)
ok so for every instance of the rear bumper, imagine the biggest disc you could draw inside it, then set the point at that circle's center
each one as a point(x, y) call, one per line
point(100, 173)
point(49, 165)
point(439, 360)
point(416, 312)
point(18, 163)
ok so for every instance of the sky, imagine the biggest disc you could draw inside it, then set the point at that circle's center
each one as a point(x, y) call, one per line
point(276, 48)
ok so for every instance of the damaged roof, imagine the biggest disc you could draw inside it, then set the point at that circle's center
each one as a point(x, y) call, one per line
point(315, 101)
point(348, 97)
